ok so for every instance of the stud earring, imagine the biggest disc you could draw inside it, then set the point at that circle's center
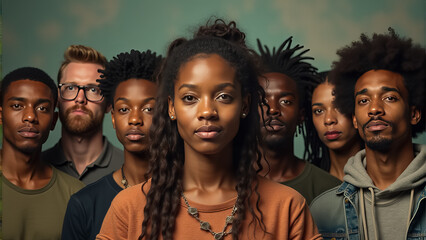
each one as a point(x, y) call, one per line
point(172, 117)
point(244, 115)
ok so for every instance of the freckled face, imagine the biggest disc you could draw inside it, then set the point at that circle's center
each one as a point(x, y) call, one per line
point(207, 104)
point(334, 129)
point(134, 102)
point(27, 115)
point(382, 114)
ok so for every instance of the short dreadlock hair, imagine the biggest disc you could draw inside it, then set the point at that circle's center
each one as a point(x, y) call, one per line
point(285, 60)
point(387, 52)
point(124, 66)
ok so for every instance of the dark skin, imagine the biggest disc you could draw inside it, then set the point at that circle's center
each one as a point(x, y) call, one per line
point(281, 122)
point(383, 115)
point(208, 106)
point(134, 102)
point(27, 115)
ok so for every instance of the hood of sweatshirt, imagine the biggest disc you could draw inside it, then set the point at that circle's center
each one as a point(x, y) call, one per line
point(412, 177)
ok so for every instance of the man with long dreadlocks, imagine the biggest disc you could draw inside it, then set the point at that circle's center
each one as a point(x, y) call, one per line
point(128, 83)
point(286, 77)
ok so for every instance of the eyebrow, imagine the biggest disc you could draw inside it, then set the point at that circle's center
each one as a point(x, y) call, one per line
point(21, 99)
point(218, 87)
point(285, 94)
point(317, 104)
point(385, 89)
point(126, 99)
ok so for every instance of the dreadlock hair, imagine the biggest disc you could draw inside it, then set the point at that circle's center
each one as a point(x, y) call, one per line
point(81, 54)
point(283, 60)
point(383, 51)
point(167, 151)
point(31, 73)
point(124, 66)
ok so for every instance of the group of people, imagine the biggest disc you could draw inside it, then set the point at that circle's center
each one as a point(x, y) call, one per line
point(208, 142)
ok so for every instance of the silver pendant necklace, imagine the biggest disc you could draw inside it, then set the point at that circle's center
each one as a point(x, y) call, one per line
point(206, 225)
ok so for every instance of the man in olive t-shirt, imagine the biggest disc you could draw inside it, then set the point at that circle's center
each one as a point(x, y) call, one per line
point(35, 194)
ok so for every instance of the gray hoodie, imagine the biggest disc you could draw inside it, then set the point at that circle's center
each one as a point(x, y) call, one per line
point(385, 214)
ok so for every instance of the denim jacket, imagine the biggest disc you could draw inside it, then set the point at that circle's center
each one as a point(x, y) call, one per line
point(336, 214)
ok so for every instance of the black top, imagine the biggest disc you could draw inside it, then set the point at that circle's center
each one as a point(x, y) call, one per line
point(87, 208)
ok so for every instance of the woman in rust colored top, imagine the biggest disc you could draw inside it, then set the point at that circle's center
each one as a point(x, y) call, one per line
point(205, 134)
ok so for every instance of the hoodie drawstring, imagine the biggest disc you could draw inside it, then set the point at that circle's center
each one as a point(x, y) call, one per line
point(410, 208)
point(362, 208)
point(364, 220)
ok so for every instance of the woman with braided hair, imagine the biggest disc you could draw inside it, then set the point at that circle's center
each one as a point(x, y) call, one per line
point(205, 134)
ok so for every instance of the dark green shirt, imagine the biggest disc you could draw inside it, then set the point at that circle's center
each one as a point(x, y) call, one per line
point(110, 159)
point(312, 182)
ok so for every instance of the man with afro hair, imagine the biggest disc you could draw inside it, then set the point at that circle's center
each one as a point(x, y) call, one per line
point(128, 83)
point(380, 81)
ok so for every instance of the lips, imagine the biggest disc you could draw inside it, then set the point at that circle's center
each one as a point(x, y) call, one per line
point(274, 125)
point(135, 135)
point(28, 132)
point(208, 131)
point(332, 135)
point(376, 125)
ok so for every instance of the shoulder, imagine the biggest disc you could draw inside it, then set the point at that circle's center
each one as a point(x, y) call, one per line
point(327, 198)
point(271, 191)
point(99, 188)
point(321, 175)
point(67, 181)
point(131, 198)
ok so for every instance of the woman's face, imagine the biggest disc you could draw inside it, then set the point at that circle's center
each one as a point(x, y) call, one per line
point(334, 129)
point(207, 104)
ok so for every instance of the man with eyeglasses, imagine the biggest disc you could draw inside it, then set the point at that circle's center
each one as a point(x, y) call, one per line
point(83, 151)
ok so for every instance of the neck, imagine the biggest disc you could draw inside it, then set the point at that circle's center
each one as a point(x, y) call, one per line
point(339, 158)
point(24, 170)
point(82, 150)
point(385, 168)
point(209, 178)
point(281, 165)
point(134, 168)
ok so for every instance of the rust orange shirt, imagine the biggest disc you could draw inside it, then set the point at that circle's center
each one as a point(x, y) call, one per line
point(285, 214)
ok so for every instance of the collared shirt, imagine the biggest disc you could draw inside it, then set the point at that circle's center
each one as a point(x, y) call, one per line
point(110, 159)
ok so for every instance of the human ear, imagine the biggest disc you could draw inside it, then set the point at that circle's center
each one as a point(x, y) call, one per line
point(245, 109)
point(354, 122)
point(172, 113)
point(112, 118)
point(415, 115)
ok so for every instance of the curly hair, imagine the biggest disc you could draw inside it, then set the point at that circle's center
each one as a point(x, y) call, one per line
point(82, 54)
point(383, 51)
point(30, 73)
point(283, 60)
point(142, 65)
point(167, 160)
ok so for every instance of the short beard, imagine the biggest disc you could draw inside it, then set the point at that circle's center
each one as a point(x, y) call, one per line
point(381, 145)
point(276, 144)
point(79, 125)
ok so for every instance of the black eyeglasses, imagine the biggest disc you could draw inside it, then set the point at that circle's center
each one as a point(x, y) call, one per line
point(69, 92)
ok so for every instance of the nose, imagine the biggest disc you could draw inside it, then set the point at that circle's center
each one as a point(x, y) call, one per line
point(135, 117)
point(375, 108)
point(273, 108)
point(29, 115)
point(81, 97)
point(330, 117)
point(207, 110)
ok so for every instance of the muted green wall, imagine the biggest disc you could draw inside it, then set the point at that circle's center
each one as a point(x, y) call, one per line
point(36, 33)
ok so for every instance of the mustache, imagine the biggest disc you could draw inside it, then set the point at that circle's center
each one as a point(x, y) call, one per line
point(76, 107)
point(269, 121)
point(376, 119)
